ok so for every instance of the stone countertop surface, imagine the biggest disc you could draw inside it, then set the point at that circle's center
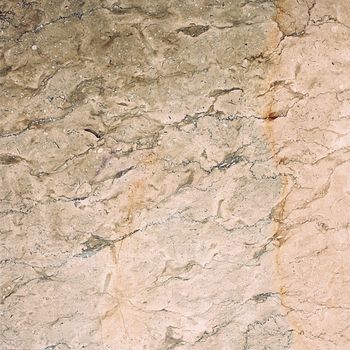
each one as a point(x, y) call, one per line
point(174, 175)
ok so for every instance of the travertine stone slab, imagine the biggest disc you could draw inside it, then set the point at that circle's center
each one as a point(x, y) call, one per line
point(174, 174)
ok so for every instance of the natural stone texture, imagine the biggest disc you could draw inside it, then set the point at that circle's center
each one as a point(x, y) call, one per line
point(174, 174)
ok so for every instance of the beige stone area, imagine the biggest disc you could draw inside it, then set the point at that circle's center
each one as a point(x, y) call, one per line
point(174, 174)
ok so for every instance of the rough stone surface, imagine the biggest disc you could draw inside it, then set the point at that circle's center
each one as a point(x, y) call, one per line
point(174, 174)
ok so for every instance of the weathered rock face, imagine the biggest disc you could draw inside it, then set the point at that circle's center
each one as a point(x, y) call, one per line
point(175, 174)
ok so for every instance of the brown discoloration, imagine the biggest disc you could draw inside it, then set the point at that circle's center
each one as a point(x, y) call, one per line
point(137, 192)
point(291, 16)
point(193, 30)
point(135, 198)
point(270, 116)
point(9, 159)
point(304, 287)
point(279, 233)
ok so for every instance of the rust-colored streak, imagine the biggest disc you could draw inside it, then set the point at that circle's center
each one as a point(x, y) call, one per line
point(271, 115)
point(135, 198)
point(278, 231)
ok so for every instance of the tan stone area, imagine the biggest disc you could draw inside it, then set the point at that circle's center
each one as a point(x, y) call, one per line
point(174, 174)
